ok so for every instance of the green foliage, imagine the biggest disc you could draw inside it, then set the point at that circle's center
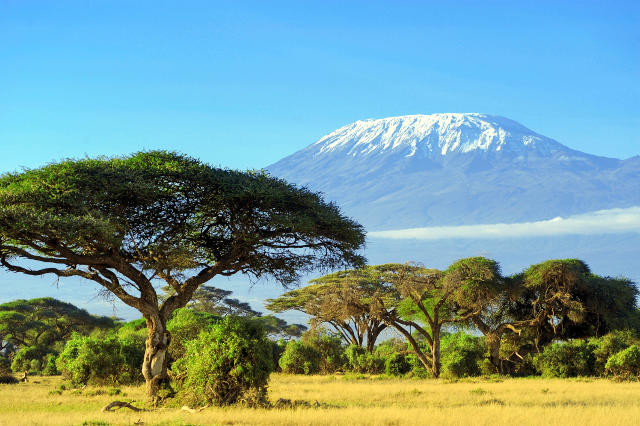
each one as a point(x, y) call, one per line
point(463, 355)
point(359, 360)
point(278, 328)
point(225, 364)
point(45, 321)
point(625, 364)
point(101, 360)
point(473, 281)
point(30, 358)
point(50, 368)
point(341, 299)
point(330, 348)
point(5, 365)
point(300, 358)
point(214, 301)
point(277, 349)
point(610, 344)
point(567, 359)
point(165, 211)
point(186, 324)
point(397, 365)
point(417, 368)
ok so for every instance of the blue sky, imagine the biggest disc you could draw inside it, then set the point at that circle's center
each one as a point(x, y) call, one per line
point(243, 84)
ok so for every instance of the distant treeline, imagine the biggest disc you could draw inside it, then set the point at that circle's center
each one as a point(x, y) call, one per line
point(556, 319)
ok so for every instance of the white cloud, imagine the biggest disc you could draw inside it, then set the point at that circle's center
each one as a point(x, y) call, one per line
point(610, 221)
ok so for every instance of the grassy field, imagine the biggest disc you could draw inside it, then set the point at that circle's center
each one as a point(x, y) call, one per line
point(348, 400)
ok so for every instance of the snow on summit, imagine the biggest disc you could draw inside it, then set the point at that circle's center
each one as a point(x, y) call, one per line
point(434, 134)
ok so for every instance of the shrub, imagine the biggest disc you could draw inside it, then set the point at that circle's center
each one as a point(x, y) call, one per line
point(397, 365)
point(101, 360)
point(30, 359)
point(277, 349)
point(5, 366)
point(462, 355)
point(610, 344)
point(362, 361)
point(567, 359)
point(184, 325)
point(625, 364)
point(8, 379)
point(229, 362)
point(330, 348)
point(300, 358)
point(390, 347)
point(417, 369)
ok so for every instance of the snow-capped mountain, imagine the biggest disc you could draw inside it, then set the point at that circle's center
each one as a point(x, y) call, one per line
point(452, 169)
point(433, 135)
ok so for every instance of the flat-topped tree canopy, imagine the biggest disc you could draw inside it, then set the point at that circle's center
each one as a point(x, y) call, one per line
point(123, 222)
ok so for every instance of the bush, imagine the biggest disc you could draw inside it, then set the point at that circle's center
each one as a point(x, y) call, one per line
point(5, 366)
point(184, 325)
point(625, 364)
point(417, 369)
point(397, 365)
point(300, 358)
point(362, 361)
point(30, 359)
point(8, 379)
point(610, 344)
point(50, 368)
point(229, 362)
point(330, 348)
point(277, 349)
point(390, 347)
point(567, 359)
point(462, 355)
point(101, 360)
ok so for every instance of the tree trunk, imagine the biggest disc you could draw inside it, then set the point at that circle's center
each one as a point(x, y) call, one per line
point(154, 366)
point(426, 362)
point(493, 344)
point(435, 352)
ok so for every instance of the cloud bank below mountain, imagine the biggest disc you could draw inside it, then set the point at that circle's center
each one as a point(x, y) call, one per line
point(610, 221)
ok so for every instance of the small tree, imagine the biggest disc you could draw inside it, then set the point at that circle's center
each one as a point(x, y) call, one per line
point(229, 362)
point(339, 300)
point(215, 301)
point(45, 321)
point(625, 364)
point(124, 222)
point(300, 357)
point(100, 360)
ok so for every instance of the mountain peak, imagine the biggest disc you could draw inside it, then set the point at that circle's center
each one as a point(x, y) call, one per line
point(434, 135)
point(456, 169)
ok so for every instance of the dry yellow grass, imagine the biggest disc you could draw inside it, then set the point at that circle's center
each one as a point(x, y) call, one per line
point(370, 401)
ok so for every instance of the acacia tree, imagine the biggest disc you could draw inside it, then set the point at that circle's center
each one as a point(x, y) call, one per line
point(124, 222)
point(45, 320)
point(555, 299)
point(480, 299)
point(369, 299)
point(562, 299)
point(215, 301)
point(341, 300)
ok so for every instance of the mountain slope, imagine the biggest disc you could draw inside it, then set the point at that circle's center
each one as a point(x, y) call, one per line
point(451, 169)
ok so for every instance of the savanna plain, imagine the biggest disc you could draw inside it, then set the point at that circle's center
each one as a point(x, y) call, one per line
point(346, 399)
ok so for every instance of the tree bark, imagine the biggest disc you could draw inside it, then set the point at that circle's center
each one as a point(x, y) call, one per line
point(493, 345)
point(154, 366)
point(435, 352)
